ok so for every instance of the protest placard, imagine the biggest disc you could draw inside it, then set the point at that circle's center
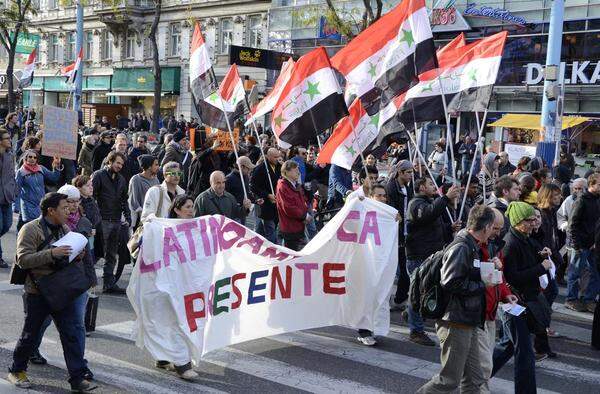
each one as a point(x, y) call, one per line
point(60, 132)
point(224, 139)
point(209, 282)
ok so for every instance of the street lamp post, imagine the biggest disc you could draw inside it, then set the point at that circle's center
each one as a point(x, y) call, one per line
point(78, 46)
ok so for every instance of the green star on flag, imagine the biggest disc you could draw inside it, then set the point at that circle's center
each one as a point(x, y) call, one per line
point(408, 37)
point(428, 87)
point(372, 70)
point(312, 90)
point(472, 74)
point(350, 149)
point(213, 97)
point(375, 120)
point(279, 120)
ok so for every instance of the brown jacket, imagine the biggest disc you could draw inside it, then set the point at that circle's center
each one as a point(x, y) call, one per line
point(39, 263)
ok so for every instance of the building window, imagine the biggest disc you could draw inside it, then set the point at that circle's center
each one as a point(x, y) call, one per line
point(175, 41)
point(53, 4)
point(254, 31)
point(70, 47)
point(226, 35)
point(53, 48)
point(107, 45)
point(89, 45)
point(149, 50)
point(130, 45)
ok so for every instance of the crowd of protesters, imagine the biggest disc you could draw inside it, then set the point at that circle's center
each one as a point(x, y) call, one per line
point(539, 230)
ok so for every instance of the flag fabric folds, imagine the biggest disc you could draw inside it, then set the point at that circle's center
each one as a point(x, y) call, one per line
point(387, 57)
point(267, 104)
point(446, 51)
point(467, 81)
point(70, 71)
point(202, 77)
point(352, 135)
point(310, 102)
point(26, 78)
point(226, 104)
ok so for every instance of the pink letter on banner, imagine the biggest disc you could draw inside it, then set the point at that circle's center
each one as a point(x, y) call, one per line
point(186, 228)
point(342, 234)
point(370, 226)
point(171, 244)
point(307, 267)
point(204, 235)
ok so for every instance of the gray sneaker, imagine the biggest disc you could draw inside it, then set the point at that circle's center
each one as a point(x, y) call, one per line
point(421, 338)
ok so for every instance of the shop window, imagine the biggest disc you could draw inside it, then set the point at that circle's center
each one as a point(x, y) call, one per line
point(130, 45)
point(574, 26)
point(107, 45)
point(226, 35)
point(175, 40)
point(254, 31)
point(70, 47)
point(89, 45)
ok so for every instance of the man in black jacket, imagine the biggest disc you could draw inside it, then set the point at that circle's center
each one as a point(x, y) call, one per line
point(461, 280)
point(102, 150)
point(399, 193)
point(505, 167)
point(110, 191)
point(260, 187)
point(425, 236)
point(585, 215)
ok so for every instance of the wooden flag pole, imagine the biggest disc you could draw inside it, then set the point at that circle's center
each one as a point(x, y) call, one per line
point(452, 220)
point(258, 139)
point(479, 133)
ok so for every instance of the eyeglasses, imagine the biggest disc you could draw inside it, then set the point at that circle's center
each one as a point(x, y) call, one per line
point(31, 157)
point(174, 173)
point(141, 142)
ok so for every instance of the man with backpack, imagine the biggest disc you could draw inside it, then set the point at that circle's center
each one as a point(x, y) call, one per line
point(463, 293)
point(426, 230)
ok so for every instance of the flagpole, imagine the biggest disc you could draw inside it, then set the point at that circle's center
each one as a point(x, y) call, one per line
point(231, 136)
point(448, 133)
point(429, 172)
point(258, 139)
point(315, 129)
point(360, 152)
point(411, 158)
point(479, 132)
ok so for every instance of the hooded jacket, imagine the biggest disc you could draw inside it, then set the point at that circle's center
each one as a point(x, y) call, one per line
point(425, 226)
point(585, 215)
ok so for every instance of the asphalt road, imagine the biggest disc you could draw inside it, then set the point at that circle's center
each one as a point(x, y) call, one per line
point(325, 360)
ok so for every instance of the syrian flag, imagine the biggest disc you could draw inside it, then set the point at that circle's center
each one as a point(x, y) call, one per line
point(467, 82)
point(70, 71)
point(387, 57)
point(352, 135)
point(228, 101)
point(446, 51)
point(310, 102)
point(266, 104)
point(202, 80)
point(27, 74)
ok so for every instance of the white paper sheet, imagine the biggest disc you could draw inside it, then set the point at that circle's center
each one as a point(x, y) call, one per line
point(76, 241)
point(513, 309)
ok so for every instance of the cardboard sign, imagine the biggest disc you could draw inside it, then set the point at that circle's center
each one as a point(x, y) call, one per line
point(206, 283)
point(225, 140)
point(60, 132)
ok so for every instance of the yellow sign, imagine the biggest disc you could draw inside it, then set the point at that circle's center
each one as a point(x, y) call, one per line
point(250, 56)
point(141, 80)
point(225, 139)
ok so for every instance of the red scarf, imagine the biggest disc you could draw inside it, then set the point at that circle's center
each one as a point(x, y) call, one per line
point(32, 168)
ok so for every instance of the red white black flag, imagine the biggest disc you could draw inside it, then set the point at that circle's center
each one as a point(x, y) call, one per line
point(310, 102)
point(202, 81)
point(26, 77)
point(387, 57)
point(70, 71)
point(227, 101)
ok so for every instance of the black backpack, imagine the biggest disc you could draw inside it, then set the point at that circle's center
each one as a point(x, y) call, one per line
point(426, 294)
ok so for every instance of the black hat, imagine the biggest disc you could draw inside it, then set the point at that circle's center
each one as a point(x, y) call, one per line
point(146, 161)
point(178, 136)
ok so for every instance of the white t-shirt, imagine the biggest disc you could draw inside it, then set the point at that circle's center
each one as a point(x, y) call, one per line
point(358, 193)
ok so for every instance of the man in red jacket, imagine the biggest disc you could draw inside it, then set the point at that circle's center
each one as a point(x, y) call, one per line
point(492, 252)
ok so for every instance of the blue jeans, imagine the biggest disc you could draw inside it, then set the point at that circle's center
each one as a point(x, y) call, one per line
point(579, 261)
point(5, 222)
point(415, 321)
point(80, 306)
point(267, 229)
point(516, 341)
point(70, 328)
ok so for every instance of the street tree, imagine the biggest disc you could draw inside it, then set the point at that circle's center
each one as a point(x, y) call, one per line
point(14, 18)
point(156, 70)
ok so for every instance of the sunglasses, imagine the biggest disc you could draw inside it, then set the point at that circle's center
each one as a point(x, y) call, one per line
point(31, 157)
point(174, 173)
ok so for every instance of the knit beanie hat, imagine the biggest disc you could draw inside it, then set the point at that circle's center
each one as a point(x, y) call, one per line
point(518, 211)
point(178, 136)
point(146, 161)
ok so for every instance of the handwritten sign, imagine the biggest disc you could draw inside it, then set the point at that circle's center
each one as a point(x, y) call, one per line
point(60, 132)
point(224, 139)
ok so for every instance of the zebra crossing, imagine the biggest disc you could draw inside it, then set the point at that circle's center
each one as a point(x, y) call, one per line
point(327, 360)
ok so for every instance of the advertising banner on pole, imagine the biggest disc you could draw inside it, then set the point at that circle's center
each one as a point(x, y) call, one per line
point(60, 132)
point(206, 283)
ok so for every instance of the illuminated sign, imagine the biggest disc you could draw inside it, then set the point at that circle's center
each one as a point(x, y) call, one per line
point(447, 19)
point(575, 73)
point(500, 14)
point(260, 58)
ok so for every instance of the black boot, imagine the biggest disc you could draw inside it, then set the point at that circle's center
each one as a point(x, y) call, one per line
point(37, 359)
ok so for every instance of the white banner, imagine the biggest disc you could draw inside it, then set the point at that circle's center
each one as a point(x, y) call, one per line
point(206, 283)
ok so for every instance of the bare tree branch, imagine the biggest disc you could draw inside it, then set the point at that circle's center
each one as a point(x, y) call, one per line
point(379, 10)
point(338, 21)
point(369, 10)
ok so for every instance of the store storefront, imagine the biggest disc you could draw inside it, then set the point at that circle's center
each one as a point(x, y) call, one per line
point(135, 87)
